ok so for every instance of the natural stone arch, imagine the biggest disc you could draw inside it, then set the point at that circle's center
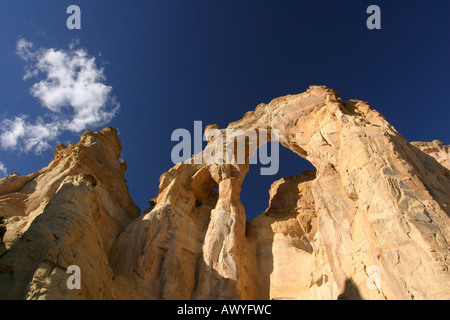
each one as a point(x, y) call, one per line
point(365, 192)
point(380, 204)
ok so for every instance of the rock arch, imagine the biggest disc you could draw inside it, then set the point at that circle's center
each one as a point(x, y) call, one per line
point(371, 201)
point(375, 203)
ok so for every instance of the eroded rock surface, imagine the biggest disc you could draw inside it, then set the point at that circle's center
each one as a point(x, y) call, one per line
point(68, 213)
point(372, 222)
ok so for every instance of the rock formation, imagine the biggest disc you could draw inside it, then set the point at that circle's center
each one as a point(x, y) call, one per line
point(69, 213)
point(372, 222)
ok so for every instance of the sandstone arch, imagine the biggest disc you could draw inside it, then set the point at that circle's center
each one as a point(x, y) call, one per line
point(375, 200)
point(370, 196)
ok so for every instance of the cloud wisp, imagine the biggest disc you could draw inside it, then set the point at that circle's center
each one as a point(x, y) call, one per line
point(3, 170)
point(71, 88)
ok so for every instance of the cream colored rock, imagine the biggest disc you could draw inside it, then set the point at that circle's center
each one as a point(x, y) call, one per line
point(68, 213)
point(437, 150)
point(281, 239)
point(372, 222)
point(377, 207)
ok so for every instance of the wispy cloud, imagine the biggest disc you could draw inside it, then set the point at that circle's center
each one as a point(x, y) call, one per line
point(70, 86)
point(28, 136)
point(3, 170)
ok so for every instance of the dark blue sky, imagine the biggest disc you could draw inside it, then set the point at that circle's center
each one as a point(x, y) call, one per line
point(172, 62)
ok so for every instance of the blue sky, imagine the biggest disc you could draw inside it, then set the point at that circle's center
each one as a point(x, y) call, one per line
point(169, 63)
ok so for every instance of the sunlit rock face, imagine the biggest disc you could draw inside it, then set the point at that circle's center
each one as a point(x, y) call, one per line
point(371, 222)
point(69, 213)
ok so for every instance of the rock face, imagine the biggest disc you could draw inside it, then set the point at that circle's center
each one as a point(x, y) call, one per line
point(437, 150)
point(68, 213)
point(372, 222)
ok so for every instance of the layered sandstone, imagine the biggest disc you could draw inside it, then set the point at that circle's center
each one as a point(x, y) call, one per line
point(68, 213)
point(375, 202)
point(437, 150)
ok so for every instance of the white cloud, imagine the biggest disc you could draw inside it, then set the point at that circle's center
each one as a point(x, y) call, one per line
point(24, 49)
point(3, 170)
point(19, 132)
point(70, 87)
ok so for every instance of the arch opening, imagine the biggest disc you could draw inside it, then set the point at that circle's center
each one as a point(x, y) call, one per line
point(255, 188)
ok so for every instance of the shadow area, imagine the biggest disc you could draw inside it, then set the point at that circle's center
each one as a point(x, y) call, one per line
point(351, 292)
point(260, 239)
point(281, 237)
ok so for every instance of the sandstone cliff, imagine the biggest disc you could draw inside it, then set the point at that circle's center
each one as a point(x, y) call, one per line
point(68, 213)
point(372, 222)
